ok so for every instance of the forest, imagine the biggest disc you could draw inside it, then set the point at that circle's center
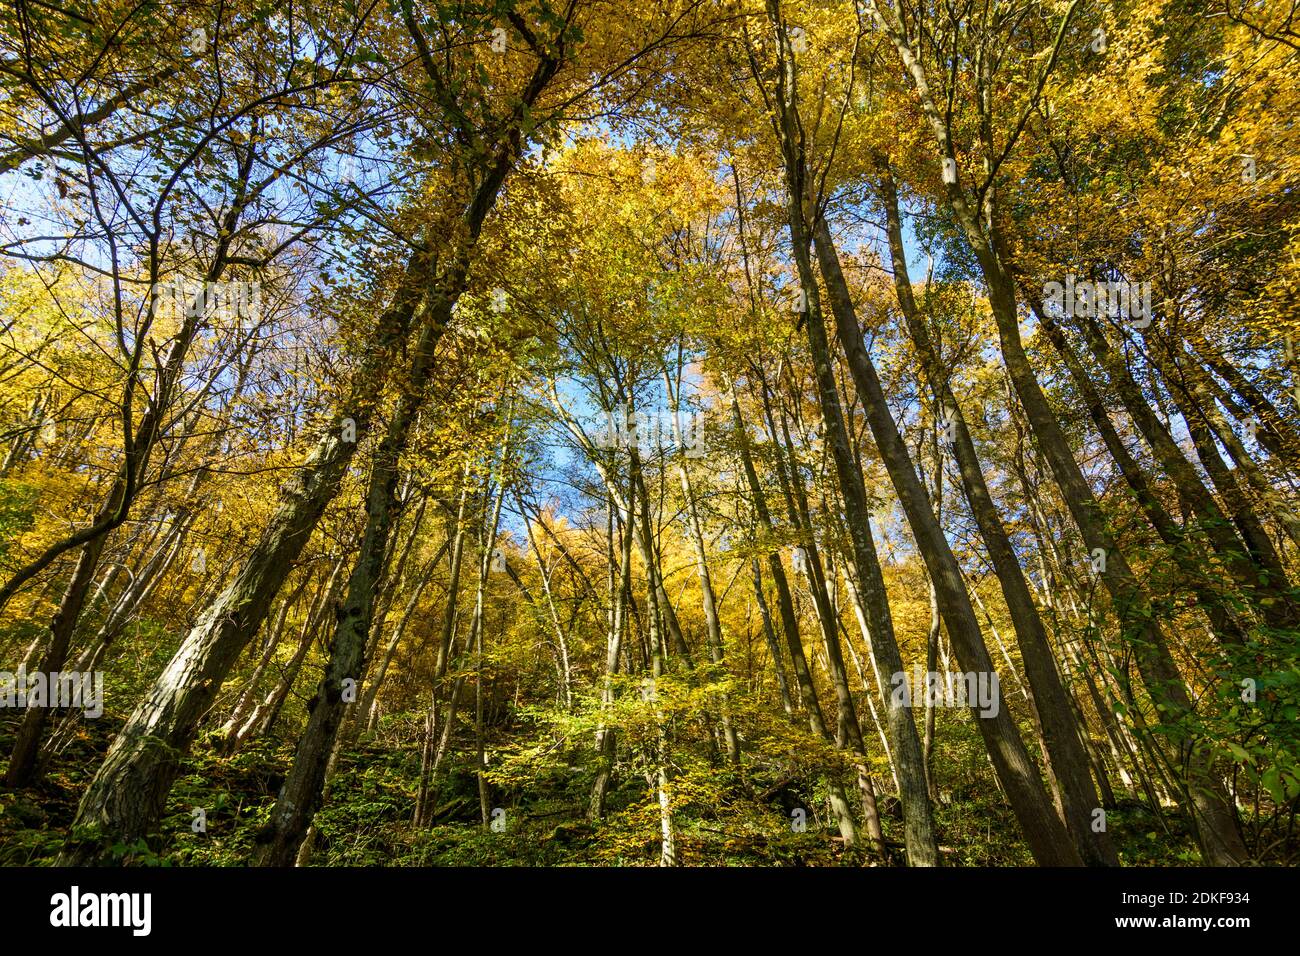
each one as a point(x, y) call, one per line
point(699, 433)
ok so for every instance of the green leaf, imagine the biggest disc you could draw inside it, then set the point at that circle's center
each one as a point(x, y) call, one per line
point(1238, 752)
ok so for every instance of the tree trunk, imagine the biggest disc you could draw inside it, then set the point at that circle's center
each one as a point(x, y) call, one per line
point(619, 589)
point(769, 635)
point(790, 625)
point(304, 786)
point(1066, 759)
point(1016, 773)
point(713, 626)
point(127, 794)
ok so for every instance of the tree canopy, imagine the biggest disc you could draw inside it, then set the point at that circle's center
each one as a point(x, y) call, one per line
point(725, 432)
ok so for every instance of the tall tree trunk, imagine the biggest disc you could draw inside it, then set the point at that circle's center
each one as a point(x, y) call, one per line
point(565, 672)
point(1217, 829)
point(27, 742)
point(848, 728)
point(659, 748)
point(1186, 552)
point(1256, 573)
point(713, 626)
point(1016, 772)
point(1275, 435)
point(922, 848)
point(304, 786)
point(769, 635)
point(127, 794)
point(1067, 762)
point(619, 590)
point(790, 625)
point(476, 629)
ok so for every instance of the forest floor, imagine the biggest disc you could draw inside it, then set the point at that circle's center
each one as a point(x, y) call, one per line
point(366, 819)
